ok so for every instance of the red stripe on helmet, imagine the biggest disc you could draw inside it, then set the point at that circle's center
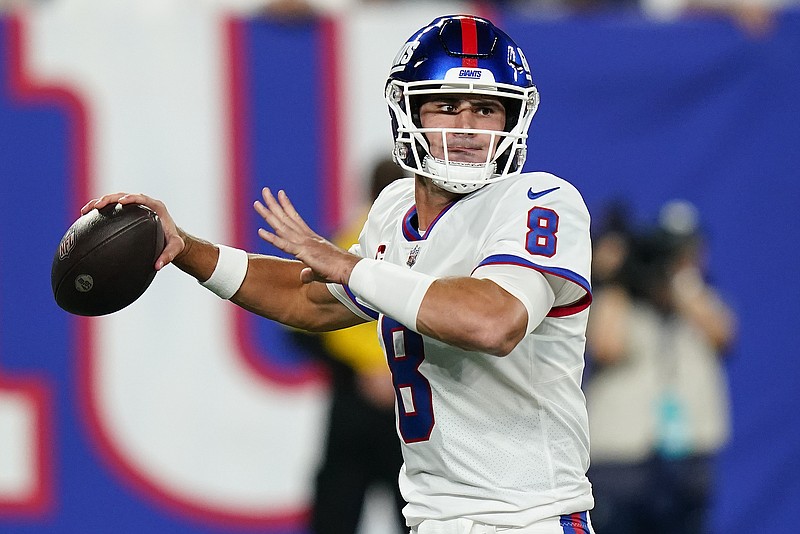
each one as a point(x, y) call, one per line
point(469, 41)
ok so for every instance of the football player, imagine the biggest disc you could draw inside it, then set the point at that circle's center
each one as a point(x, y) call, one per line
point(477, 275)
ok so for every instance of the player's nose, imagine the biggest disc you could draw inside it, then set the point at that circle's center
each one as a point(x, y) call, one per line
point(465, 119)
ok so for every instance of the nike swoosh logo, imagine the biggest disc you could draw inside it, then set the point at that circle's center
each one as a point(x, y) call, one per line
point(533, 195)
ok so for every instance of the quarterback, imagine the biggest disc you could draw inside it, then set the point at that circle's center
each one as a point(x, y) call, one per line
point(477, 275)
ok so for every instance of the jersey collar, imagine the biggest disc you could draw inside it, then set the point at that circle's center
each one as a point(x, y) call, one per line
point(411, 222)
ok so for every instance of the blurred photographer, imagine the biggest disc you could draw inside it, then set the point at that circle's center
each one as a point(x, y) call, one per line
point(657, 397)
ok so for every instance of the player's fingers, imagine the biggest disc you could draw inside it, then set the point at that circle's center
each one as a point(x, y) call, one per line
point(271, 202)
point(281, 213)
point(278, 220)
point(272, 209)
point(269, 216)
point(156, 205)
point(140, 198)
point(291, 212)
point(266, 235)
point(175, 245)
point(307, 275)
point(261, 209)
point(89, 206)
point(101, 202)
point(286, 204)
point(277, 241)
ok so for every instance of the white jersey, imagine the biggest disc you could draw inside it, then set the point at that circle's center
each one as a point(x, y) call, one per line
point(499, 440)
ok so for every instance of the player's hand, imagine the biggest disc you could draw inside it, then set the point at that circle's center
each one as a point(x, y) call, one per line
point(174, 242)
point(326, 262)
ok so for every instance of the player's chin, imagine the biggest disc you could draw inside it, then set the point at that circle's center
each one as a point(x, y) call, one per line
point(466, 156)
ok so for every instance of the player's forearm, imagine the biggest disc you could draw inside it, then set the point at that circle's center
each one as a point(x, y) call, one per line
point(271, 288)
point(472, 314)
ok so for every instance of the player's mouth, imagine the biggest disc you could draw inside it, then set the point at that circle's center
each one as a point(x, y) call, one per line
point(467, 154)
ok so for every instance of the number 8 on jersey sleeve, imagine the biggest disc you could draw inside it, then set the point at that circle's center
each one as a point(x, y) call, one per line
point(541, 238)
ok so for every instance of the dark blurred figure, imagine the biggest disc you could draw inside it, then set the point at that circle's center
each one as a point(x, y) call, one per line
point(657, 396)
point(610, 246)
point(361, 449)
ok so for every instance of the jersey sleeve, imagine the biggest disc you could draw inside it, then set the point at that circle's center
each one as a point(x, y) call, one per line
point(346, 297)
point(529, 286)
point(542, 223)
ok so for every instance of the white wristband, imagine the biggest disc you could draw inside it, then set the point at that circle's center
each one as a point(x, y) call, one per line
point(229, 273)
point(390, 289)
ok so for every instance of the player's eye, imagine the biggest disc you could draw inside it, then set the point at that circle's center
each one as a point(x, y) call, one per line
point(488, 108)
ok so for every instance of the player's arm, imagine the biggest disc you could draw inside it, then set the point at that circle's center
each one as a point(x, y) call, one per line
point(273, 287)
point(473, 314)
point(490, 311)
point(494, 308)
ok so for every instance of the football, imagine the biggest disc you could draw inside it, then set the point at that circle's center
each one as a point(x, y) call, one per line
point(106, 259)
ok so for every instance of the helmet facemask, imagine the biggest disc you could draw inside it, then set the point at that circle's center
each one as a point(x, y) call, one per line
point(412, 149)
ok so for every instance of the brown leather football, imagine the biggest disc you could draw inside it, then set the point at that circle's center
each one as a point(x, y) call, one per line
point(106, 260)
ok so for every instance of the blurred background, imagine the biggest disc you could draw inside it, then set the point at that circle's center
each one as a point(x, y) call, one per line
point(182, 414)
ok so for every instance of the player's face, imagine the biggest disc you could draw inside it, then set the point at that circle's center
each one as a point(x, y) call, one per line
point(476, 112)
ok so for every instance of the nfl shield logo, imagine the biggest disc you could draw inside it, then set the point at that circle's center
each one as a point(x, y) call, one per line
point(66, 245)
point(412, 256)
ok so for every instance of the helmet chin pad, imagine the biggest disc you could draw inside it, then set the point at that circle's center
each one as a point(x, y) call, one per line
point(457, 177)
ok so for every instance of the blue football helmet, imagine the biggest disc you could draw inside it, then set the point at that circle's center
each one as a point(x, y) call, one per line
point(460, 54)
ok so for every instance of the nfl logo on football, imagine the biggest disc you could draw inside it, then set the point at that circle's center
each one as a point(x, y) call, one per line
point(66, 245)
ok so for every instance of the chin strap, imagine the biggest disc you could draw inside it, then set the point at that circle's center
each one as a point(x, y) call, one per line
point(458, 177)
